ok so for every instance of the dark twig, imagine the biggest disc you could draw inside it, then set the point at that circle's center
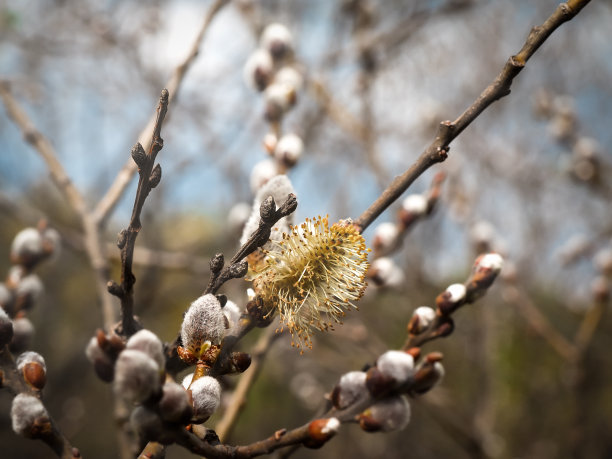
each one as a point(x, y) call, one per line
point(150, 175)
point(237, 267)
point(116, 190)
point(448, 131)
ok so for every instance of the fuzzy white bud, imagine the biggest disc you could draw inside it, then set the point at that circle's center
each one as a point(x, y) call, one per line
point(415, 204)
point(492, 261)
point(278, 97)
point(27, 243)
point(25, 411)
point(279, 188)
point(30, 357)
point(137, 376)
point(31, 288)
point(386, 272)
point(603, 260)
point(147, 423)
point(6, 328)
point(23, 330)
point(384, 236)
point(331, 427)
point(174, 405)
point(232, 313)
point(6, 296)
point(397, 365)
point(457, 292)
point(426, 316)
point(289, 149)
point(187, 380)
point(258, 70)
point(206, 396)
point(277, 39)
point(389, 414)
point(290, 77)
point(586, 147)
point(262, 173)
point(203, 325)
point(350, 388)
point(146, 341)
point(482, 233)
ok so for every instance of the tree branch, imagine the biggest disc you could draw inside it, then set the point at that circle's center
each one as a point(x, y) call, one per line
point(448, 131)
point(107, 204)
point(150, 175)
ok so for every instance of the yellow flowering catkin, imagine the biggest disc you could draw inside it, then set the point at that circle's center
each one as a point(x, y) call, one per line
point(311, 276)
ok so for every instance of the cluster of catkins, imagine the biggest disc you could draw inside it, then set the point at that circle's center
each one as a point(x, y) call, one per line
point(18, 295)
point(136, 368)
point(388, 236)
point(272, 69)
point(585, 162)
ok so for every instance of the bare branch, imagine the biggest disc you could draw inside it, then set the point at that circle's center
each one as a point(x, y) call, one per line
point(448, 131)
point(109, 201)
point(150, 175)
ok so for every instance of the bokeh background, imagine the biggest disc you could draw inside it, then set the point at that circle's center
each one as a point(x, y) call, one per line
point(531, 178)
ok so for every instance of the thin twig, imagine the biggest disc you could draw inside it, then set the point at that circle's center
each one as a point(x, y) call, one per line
point(150, 175)
point(93, 242)
point(540, 324)
point(448, 131)
point(107, 204)
point(226, 424)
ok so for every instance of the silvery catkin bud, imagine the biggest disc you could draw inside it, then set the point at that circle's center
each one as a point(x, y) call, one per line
point(232, 313)
point(350, 388)
point(6, 328)
point(174, 405)
point(203, 325)
point(103, 365)
point(26, 410)
point(27, 245)
point(147, 423)
point(23, 330)
point(389, 414)
point(397, 365)
point(148, 342)
point(206, 397)
point(137, 376)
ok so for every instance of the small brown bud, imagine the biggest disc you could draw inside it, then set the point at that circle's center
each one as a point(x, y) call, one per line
point(241, 361)
point(216, 263)
point(139, 156)
point(320, 431)
point(378, 383)
point(155, 177)
point(259, 313)
point(35, 375)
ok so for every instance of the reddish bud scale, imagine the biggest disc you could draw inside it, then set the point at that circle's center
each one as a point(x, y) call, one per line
point(445, 304)
point(415, 352)
point(35, 375)
point(320, 431)
point(377, 383)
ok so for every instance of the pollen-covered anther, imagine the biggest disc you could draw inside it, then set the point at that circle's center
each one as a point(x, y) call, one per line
point(452, 298)
point(320, 431)
point(312, 275)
